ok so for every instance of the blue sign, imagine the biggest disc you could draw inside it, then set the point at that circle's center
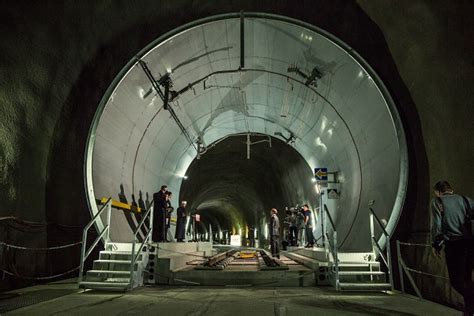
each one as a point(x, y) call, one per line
point(321, 174)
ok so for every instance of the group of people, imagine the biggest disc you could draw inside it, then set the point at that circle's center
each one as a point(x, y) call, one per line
point(297, 221)
point(162, 216)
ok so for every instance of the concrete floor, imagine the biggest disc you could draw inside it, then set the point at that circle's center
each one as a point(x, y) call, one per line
point(224, 301)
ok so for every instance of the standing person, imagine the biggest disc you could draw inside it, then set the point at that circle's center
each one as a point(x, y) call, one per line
point(300, 225)
point(451, 226)
point(159, 205)
point(308, 221)
point(274, 233)
point(168, 210)
point(195, 214)
point(180, 221)
point(293, 229)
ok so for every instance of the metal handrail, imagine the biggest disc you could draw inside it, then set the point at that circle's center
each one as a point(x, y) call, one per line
point(329, 216)
point(85, 253)
point(133, 257)
point(333, 247)
point(375, 244)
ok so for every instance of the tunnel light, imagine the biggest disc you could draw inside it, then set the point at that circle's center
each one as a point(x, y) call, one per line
point(317, 188)
point(141, 93)
point(313, 180)
point(324, 123)
point(169, 70)
point(185, 177)
point(220, 234)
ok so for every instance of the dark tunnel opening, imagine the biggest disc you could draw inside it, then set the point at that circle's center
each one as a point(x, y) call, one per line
point(234, 194)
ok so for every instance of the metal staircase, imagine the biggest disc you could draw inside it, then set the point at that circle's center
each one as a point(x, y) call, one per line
point(357, 271)
point(120, 266)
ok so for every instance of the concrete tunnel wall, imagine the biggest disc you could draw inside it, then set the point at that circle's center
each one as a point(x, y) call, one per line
point(57, 60)
point(346, 121)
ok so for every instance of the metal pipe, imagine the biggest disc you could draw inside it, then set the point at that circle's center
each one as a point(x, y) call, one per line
point(372, 231)
point(336, 259)
point(389, 259)
point(242, 40)
point(109, 214)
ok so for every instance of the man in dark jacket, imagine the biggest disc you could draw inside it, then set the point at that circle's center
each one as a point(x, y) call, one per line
point(180, 222)
point(159, 215)
point(275, 233)
point(451, 226)
point(308, 220)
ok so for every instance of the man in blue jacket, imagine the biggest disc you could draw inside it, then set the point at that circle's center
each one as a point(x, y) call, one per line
point(451, 226)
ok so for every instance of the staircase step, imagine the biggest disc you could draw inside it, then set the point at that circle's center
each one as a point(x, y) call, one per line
point(113, 252)
point(365, 286)
point(113, 261)
point(108, 272)
point(361, 273)
point(104, 285)
point(118, 255)
point(359, 266)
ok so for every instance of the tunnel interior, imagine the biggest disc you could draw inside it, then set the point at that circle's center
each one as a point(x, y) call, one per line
point(237, 195)
point(249, 74)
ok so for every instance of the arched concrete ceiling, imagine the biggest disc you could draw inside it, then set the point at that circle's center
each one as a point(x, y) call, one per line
point(345, 122)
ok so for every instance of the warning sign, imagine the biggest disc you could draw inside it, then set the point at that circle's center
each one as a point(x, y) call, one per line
point(333, 194)
point(321, 174)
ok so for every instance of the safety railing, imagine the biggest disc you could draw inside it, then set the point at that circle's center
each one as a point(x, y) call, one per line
point(134, 256)
point(402, 267)
point(105, 234)
point(375, 244)
point(331, 247)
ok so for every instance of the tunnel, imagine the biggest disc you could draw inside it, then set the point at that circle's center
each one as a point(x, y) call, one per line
point(234, 113)
point(309, 85)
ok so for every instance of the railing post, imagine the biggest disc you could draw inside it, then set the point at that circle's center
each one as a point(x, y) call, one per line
point(336, 259)
point(83, 253)
point(389, 261)
point(324, 231)
point(109, 214)
point(151, 222)
point(132, 261)
point(322, 211)
point(372, 231)
point(400, 268)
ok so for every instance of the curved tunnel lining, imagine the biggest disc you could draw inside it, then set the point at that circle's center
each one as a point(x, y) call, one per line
point(392, 109)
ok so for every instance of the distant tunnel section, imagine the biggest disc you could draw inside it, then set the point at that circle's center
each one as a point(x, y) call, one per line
point(319, 101)
point(234, 192)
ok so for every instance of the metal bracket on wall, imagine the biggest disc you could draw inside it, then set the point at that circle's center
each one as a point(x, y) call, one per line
point(166, 82)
